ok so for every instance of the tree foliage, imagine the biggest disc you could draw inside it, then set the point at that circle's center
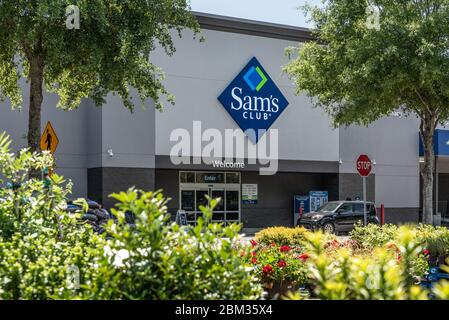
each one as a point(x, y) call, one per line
point(360, 73)
point(109, 52)
point(376, 57)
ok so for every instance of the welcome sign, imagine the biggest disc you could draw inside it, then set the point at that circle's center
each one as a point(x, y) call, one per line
point(253, 100)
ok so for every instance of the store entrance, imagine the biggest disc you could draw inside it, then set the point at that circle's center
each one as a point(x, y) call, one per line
point(194, 189)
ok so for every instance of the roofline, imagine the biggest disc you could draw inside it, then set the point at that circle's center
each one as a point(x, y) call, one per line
point(253, 27)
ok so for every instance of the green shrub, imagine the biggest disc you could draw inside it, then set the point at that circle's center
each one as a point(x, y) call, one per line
point(278, 263)
point(435, 240)
point(384, 274)
point(157, 259)
point(46, 252)
point(373, 236)
point(40, 244)
point(281, 236)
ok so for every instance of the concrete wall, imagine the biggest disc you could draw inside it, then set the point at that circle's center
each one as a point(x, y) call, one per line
point(107, 180)
point(350, 185)
point(392, 142)
point(130, 136)
point(197, 80)
point(70, 126)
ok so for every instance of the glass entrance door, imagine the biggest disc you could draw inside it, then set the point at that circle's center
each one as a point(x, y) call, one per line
point(201, 200)
point(232, 206)
point(195, 186)
point(218, 214)
point(188, 203)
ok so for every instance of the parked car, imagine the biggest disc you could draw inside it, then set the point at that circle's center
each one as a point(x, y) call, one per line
point(338, 216)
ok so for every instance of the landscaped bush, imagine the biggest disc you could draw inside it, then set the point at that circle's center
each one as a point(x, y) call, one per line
point(278, 267)
point(157, 259)
point(374, 263)
point(281, 236)
point(373, 236)
point(47, 253)
point(435, 240)
point(40, 244)
point(385, 273)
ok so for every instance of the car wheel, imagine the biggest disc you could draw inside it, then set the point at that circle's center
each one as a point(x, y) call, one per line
point(329, 227)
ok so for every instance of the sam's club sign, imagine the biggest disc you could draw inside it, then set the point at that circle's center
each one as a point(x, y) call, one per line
point(253, 100)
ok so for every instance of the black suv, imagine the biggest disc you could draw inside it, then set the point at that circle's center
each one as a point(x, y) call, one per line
point(338, 216)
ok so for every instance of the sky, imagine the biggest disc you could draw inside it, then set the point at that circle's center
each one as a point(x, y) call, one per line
point(276, 11)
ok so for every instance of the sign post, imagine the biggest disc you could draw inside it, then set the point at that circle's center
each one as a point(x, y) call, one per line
point(364, 165)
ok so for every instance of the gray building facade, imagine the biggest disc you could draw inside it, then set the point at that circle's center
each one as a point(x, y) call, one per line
point(108, 149)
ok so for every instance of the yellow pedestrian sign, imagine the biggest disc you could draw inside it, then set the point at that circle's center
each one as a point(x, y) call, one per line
point(49, 139)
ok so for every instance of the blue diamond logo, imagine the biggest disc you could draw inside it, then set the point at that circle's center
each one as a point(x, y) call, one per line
point(253, 100)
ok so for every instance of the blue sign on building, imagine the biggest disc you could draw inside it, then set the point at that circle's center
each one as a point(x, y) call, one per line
point(317, 199)
point(253, 100)
point(440, 143)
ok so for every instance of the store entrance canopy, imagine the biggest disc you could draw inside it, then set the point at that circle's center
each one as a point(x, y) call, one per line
point(440, 143)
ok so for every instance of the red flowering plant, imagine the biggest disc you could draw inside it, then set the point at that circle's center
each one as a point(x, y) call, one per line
point(275, 263)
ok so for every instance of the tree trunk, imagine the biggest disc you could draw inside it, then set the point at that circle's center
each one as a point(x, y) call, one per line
point(34, 113)
point(427, 132)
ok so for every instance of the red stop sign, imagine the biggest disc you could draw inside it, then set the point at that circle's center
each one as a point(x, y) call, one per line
point(363, 165)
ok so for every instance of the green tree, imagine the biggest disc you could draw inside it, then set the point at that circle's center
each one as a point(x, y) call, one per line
point(106, 50)
point(373, 58)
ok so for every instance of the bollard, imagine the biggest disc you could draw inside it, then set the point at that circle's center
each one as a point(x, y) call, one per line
point(382, 214)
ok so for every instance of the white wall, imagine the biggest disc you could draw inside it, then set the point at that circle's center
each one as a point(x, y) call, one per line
point(70, 128)
point(197, 74)
point(130, 136)
point(393, 144)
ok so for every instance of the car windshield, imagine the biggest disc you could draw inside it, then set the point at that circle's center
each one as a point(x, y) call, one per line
point(328, 207)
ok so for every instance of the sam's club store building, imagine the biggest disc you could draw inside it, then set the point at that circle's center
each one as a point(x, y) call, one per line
point(233, 80)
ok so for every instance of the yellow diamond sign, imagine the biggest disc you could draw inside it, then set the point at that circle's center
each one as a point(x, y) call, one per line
point(49, 139)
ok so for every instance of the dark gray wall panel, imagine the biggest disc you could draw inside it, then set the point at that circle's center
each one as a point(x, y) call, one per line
point(275, 194)
point(401, 215)
point(164, 162)
point(104, 181)
point(168, 181)
point(250, 27)
point(351, 185)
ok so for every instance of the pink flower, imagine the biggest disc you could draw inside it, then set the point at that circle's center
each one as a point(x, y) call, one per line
point(254, 260)
point(426, 252)
point(254, 253)
point(253, 242)
point(285, 249)
point(333, 243)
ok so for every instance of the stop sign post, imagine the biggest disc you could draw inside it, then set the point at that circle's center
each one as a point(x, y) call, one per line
point(364, 165)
